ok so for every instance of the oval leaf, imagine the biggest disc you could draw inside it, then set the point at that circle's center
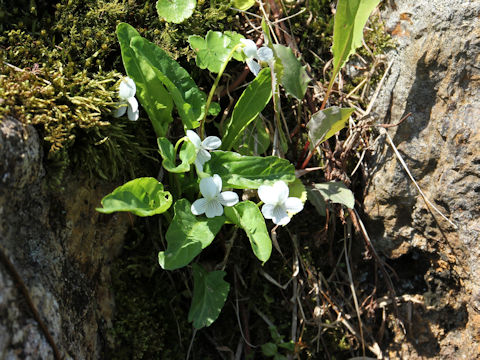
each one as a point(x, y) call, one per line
point(294, 78)
point(248, 172)
point(326, 123)
point(242, 4)
point(210, 292)
point(247, 216)
point(253, 100)
point(187, 235)
point(150, 91)
point(175, 10)
point(336, 192)
point(142, 197)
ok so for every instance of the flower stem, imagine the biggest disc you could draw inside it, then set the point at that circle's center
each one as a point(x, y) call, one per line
point(214, 87)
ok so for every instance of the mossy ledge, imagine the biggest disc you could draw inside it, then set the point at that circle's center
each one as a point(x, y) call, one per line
point(64, 80)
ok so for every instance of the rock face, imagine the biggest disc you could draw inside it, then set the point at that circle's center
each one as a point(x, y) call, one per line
point(436, 77)
point(61, 248)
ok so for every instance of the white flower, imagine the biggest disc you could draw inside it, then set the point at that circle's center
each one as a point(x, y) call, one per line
point(126, 93)
point(252, 53)
point(202, 147)
point(277, 203)
point(213, 198)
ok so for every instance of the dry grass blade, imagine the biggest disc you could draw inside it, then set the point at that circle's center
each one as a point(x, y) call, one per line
point(400, 158)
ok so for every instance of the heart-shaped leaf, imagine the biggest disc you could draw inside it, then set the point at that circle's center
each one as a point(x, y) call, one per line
point(142, 197)
point(210, 292)
point(187, 235)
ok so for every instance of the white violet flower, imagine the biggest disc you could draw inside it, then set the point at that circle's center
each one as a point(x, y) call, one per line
point(254, 55)
point(203, 147)
point(126, 93)
point(277, 203)
point(213, 199)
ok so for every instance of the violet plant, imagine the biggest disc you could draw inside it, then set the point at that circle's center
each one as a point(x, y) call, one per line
point(205, 177)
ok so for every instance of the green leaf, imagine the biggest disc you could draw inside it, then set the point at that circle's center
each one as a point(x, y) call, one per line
point(294, 78)
point(297, 189)
point(209, 295)
point(150, 91)
point(242, 4)
point(254, 140)
point(253, 100)
point(326, 123)
point(187, 235)
point(142, 197)
point(248, 172)
point(336, 192)
point(290, 346)
point(187, 155)
point(213, 51)
point(234, 40)
point(247, 216)
point(269, 349)
point(350, 19)
point(189, 99)
point(175, 10)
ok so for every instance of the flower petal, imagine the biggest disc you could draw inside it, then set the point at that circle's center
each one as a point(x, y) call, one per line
point(253, 66)
point(250, 49)
point(194, 138)
point(133, 116)
point(133, 103)
point(281, 191)
point(203, 156)
point(280, 216)
point(211, 143)
point(198, 165)
point(198, 207)
point(208, 188)
point(127, 89)
point(265, 54)
point(294, 205)
point(228, 198)
point(267, 211)
point(214, 208)
point(120, 111)
point(218, 182)
point(267, 194)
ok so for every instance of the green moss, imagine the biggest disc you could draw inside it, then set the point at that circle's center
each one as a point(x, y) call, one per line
point(64, 80)
point(151, 310)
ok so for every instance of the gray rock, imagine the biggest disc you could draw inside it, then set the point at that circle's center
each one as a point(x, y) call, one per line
point(436, 77)
point(62, 249)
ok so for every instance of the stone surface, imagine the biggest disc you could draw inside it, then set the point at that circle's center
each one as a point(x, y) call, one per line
point(62, 249)
point(436, 77)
